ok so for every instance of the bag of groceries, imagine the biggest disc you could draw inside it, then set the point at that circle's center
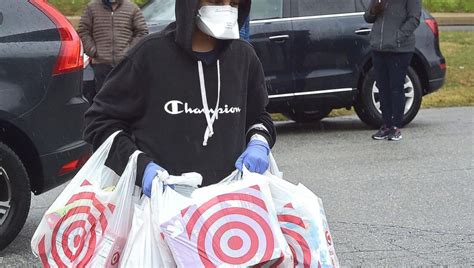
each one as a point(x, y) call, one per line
point(88, 223)
point(301, 218)
point(146, 246)
point(231, 224)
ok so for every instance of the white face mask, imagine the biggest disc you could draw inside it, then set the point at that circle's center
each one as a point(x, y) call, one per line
point(219, 21)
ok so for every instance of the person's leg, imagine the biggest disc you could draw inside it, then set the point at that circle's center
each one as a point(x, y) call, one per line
point(398, 67)
point(382, 82)
point(100, 73)
point(382, 77)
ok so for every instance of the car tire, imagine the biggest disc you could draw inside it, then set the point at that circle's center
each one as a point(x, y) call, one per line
point(367, 105)
point(15, 195)
point(308, 116)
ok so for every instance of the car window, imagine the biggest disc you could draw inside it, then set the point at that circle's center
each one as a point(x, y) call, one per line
point(266, 9)
point(323, 7)
point(160, 10)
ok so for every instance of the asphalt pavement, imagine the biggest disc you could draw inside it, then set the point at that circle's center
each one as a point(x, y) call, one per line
point(406, 203)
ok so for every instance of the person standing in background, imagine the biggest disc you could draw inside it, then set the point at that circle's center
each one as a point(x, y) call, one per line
point(108, 28)
point(393, 42)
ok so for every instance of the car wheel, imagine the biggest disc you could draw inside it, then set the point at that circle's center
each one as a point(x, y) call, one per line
point(308, 116)
point(367, 106)
point(15, 195)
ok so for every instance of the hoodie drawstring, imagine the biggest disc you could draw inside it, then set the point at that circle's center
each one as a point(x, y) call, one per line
point(210, 120)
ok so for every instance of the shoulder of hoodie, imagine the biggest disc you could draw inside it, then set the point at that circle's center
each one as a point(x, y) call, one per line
point(155, 41)
point(244, 48)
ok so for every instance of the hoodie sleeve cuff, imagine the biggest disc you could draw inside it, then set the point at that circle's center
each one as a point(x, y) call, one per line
point(260, 131)
point(142, 162)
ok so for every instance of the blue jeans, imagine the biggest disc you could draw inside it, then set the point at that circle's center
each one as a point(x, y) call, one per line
point(390, 72)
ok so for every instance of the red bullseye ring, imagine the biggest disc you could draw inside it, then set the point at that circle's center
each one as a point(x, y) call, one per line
point(233, 211)
point(234, 234)
point(76, 212)
point(235, 260)
point(77, 233)
point(298, 239)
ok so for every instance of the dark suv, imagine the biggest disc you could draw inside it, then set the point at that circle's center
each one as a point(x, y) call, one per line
point(316, 57)
point(41, 107)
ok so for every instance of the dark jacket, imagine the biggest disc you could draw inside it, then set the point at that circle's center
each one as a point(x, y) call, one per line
point(154, 95)
point(394, 28)
point(107, 34)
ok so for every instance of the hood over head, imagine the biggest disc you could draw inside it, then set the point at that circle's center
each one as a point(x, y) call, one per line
point(186, 12)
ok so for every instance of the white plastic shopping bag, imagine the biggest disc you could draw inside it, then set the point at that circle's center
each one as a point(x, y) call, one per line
point(302, 220)
point(226, 225)
point(88, 224)
point(167, 202)
point(146, 246)
point(142, 248)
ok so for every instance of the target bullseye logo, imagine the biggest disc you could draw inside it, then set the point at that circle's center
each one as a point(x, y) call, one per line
point(233, 229)
point(74, 236)
point(293, 227)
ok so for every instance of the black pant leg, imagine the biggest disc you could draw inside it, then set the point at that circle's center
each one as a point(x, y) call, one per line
point(100, 72)
point(398, 66)
point(382, 78)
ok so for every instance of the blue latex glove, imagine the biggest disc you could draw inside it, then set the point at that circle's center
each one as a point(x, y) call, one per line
point(148, 177)
point(255, 157)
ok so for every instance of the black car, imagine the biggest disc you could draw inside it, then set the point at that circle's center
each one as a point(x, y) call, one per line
point(41, 107)
point(316, 57)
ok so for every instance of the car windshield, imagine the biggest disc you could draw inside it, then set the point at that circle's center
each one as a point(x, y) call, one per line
point(158, 11)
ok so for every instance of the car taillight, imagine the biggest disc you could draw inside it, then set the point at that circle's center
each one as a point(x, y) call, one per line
point(74, 164)
point(433, 26)
point(70, 55)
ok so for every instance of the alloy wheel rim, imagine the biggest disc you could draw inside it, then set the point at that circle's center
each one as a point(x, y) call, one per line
point(409, 95)
point(6, 196)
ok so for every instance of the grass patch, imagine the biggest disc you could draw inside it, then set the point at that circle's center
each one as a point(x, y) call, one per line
point(459, 87)
point(449, 5)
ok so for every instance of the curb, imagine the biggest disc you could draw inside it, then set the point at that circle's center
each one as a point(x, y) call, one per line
point(443, 19)
point(452, 19)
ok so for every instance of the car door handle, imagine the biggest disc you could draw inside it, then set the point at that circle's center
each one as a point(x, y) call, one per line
point(279, 38)
point(363, 31)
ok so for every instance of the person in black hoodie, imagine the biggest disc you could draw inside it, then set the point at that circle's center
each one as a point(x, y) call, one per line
point(191, 97)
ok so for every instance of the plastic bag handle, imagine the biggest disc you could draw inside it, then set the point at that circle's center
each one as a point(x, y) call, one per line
point(273, 167)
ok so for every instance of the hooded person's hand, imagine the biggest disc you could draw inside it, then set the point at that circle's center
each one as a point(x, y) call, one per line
point(255, 157)
point(151, 171)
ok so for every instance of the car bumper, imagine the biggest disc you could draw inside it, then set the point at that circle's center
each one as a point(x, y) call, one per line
point(435, 84)
point(62, 164)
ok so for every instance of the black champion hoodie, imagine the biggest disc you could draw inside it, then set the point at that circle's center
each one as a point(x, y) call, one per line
point(155, 95)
